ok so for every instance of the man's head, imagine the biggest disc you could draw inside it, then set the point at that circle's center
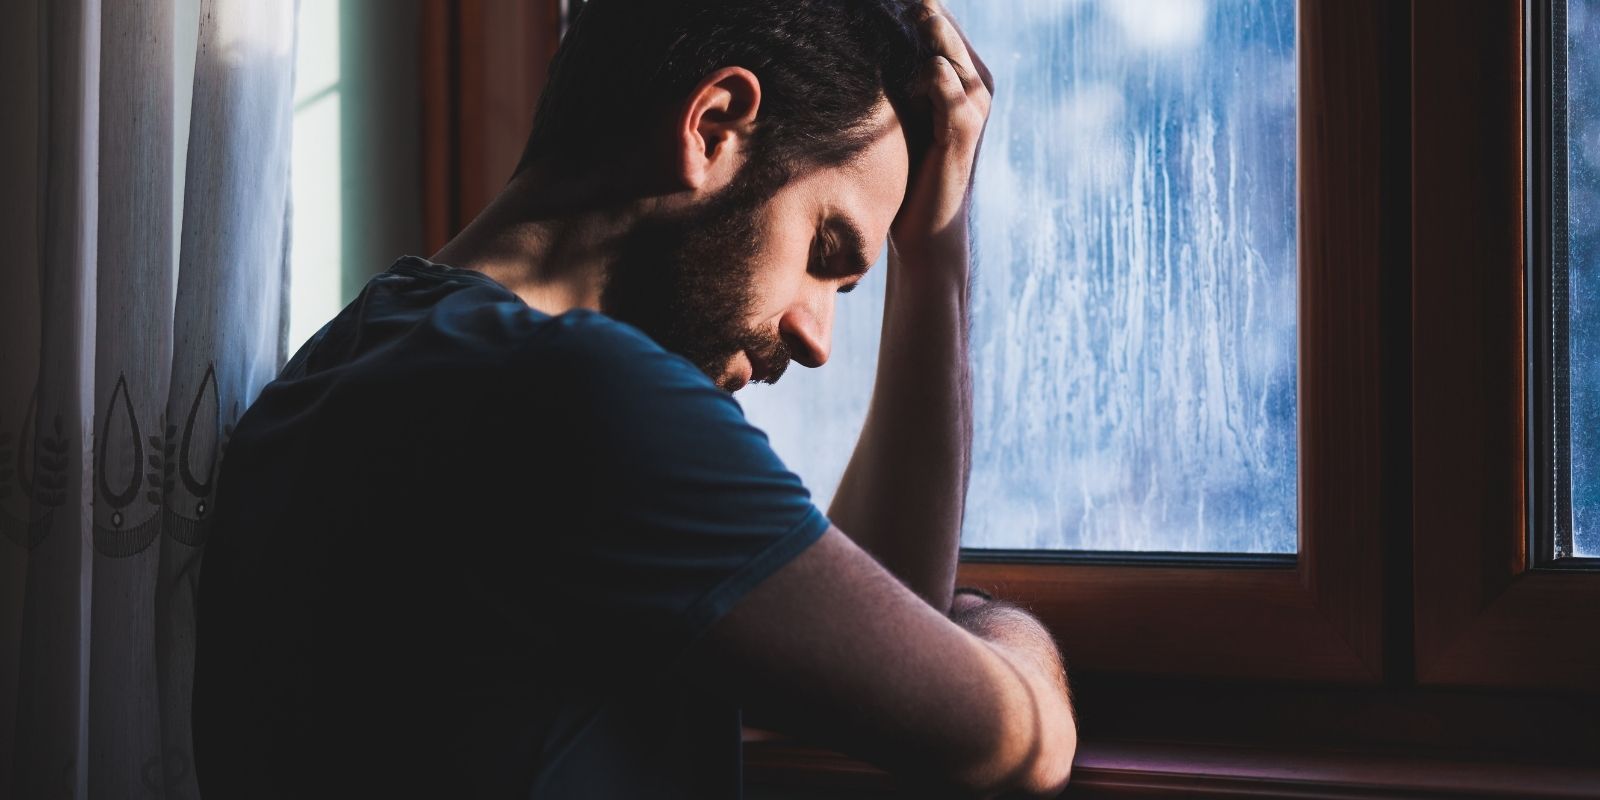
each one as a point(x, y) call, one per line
point(776, 138)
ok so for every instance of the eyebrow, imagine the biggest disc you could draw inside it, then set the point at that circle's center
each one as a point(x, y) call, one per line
point(852, 245)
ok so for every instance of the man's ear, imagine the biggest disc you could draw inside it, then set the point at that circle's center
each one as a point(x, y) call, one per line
point(714, 127)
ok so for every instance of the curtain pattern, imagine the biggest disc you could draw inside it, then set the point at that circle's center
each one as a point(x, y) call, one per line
point(123, 366)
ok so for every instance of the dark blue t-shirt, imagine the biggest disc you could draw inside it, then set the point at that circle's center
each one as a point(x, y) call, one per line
point(460, 546)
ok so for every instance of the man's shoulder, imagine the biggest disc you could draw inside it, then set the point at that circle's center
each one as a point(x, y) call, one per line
point(581, 369)
point(589, 345)
point(428, 326)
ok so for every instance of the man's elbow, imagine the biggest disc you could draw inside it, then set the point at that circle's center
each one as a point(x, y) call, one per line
point(1045, 769)
point(1048, 774)
point(1031, 758)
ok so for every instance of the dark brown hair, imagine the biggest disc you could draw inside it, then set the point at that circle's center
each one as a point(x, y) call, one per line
point(823, 66)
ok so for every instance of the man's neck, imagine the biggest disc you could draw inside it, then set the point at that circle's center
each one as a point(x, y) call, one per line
point(549, 243)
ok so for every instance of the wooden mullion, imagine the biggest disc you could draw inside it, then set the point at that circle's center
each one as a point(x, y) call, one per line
point(1341, 301)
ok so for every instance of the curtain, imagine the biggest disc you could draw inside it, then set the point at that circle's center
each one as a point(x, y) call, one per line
point(129, 345)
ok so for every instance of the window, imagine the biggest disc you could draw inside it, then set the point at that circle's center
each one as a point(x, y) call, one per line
point(1401, 251)
point(1134, 306)
point(1580, 107)
point(1564, 285)
point(316, 260)
point(357, 168)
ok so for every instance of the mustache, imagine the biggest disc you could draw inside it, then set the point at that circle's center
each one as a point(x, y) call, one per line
point(771, 354)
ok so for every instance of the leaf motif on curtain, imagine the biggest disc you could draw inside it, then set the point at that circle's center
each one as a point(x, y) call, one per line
point(200, 486)
point(46, 487)
point(194, 459)
point(50, 474)
point(120, 497)
point(50, 481)
point(26, 446)
point(20, 462)
point(159, 477)
point(119, 541)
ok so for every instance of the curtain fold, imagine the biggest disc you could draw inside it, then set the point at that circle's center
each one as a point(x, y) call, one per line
point(48, 511)
point(19, 333)
point(124, 366)
point(132, 354)
point(228, 340)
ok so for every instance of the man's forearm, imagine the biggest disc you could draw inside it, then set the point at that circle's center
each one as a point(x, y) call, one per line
point(903, 493)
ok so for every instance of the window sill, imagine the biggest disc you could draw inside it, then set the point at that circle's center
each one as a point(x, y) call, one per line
point(1135, 769)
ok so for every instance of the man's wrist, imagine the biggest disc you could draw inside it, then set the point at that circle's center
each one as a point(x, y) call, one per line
point(950, 250)
point(931, 270)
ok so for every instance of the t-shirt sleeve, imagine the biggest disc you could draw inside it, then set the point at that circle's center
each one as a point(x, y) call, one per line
point(678, 505)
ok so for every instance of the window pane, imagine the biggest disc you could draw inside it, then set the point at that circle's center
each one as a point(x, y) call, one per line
point(315, 174)
point(1583, 265)
point(1134, 326)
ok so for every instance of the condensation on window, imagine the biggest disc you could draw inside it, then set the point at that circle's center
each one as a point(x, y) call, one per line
point(1583, 265)
point(1134, 299)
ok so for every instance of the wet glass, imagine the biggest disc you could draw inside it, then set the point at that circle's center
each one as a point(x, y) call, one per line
point(1583, 268)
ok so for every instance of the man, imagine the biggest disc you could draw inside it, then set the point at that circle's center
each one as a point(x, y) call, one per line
point(500, 530)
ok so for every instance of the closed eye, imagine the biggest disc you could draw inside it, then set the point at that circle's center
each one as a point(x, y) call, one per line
point(849, 287)
point(841, 251)
point(821, 252)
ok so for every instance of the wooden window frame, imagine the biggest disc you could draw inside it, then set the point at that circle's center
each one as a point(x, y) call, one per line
point(474, 128)
point(1487, 613)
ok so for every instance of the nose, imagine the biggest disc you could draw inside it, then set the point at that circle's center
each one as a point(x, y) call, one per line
point(807, 328)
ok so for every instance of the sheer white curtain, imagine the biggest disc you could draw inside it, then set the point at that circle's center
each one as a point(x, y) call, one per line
point(125, 358)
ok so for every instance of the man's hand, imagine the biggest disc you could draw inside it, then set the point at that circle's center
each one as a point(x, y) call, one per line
point(903, 494)
point(959, 89)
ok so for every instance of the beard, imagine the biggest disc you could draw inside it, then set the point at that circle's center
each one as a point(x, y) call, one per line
point(687, 280)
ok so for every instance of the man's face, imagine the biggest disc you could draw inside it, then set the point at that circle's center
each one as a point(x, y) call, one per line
point(744, 282)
